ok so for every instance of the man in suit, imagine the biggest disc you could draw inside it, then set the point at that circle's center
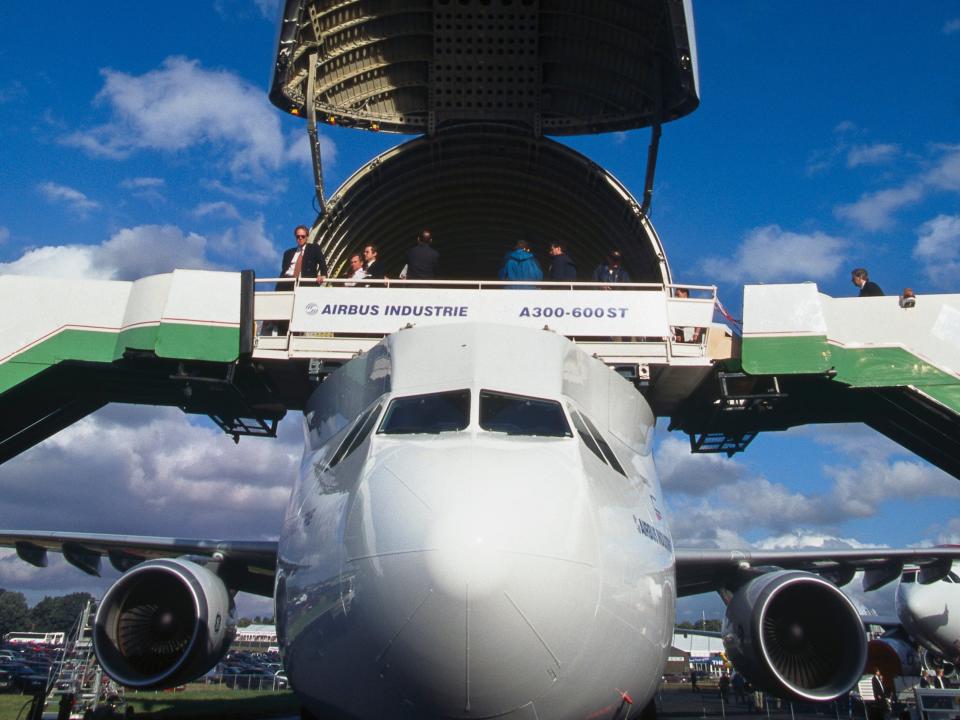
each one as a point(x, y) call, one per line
point(422, 259)
point(879, 693)
point(303, 259)
point(374, 267)
point(868, 288)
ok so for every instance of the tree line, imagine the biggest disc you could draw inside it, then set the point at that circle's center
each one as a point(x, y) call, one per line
point(52, 614)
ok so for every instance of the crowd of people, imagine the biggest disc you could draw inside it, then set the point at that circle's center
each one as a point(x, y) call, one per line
point(306, 261)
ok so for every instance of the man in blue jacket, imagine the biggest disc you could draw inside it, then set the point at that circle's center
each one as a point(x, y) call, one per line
point(520, 264)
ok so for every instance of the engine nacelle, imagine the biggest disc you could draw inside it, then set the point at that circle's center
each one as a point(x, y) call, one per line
point(795, 634)
point(163, 623)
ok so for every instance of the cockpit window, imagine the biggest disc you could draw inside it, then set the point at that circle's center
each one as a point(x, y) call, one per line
point(909, 576)
point(521, 415)
point(433, 413)
point(952, 577)
point(358, 433)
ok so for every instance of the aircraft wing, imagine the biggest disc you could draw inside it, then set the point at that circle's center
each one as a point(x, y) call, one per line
point(700, 571)
point(242, 564)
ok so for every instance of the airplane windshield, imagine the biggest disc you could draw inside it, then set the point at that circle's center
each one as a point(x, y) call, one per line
point(520, 415)
point(433, 413)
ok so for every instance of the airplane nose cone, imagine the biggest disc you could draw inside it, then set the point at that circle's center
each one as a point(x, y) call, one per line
point(480, 583)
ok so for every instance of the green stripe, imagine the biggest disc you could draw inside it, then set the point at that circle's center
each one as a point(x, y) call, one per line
point(857, 367)
point(169, 340)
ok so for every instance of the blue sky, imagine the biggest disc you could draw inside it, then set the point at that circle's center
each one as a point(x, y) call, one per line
point(138, 139)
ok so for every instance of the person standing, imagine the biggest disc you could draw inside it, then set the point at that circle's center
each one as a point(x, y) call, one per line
point(372, 266)
point(303, 260)
point(612, 271)
point(422, 259)
point(521, 264)
point(355, 271)
point(562, 268)
point(879, 693)
point(861, 279)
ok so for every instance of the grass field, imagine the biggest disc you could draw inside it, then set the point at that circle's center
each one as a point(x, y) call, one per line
point(197, 701)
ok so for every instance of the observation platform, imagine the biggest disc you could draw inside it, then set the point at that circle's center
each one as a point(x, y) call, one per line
point(231, 346)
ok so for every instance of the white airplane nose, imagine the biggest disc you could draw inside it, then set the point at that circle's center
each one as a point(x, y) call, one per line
point(481, 603)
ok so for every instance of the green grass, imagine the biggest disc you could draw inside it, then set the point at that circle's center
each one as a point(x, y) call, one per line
point(197, 701)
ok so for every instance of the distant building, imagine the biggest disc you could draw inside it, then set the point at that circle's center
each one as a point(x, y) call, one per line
point(258, 638)
point(694, 651)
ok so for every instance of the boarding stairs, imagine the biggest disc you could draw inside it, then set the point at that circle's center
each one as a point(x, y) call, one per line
point(808, 358)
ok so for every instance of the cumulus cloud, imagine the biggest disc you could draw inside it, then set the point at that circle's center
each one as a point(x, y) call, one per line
point(129, 254)
point(938, 249)
point(247, 240)
point(141, 470)
point(68, 196)
point(771, 253)
point(220, 208)
point(182, 105)
point(717, 502)
point(135, 252)
point(875, 210)
point(876, 154)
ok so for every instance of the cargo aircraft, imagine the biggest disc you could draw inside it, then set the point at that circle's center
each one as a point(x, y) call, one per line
point(477, 528)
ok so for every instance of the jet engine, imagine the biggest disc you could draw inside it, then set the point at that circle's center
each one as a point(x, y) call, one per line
point(163, 623)
point(795, 634)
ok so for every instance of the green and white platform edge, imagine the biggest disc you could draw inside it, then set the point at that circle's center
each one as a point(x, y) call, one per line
point(186, 314)
point(866, 342)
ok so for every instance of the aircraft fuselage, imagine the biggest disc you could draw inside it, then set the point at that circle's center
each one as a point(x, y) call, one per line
point(491, 544)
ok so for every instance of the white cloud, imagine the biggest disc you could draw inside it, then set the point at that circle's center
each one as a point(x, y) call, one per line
point(135, 252)
point(938, 249)
point(248, 240)
point(147, 471)
point(299, 150)
point(13, 90)
point(182, 105)
point(220, 208)
point(682, 471)
point(874, 210)
point(129, 254)
point(4, 234)
point(876, 154)
point(253, 196)
point(951, 26)
point(771, 254)
point(71, 197)
point(142, 182)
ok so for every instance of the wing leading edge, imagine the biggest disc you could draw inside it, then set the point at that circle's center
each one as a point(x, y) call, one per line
point(699, 571)
point(242, 564)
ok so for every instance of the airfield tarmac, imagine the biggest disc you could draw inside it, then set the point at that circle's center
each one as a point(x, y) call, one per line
point(677, 701)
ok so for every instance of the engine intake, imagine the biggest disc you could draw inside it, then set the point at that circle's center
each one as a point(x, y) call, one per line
point(795, 634)
point(163, 623)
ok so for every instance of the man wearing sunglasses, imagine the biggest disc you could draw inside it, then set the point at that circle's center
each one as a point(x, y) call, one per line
point(304, 260)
